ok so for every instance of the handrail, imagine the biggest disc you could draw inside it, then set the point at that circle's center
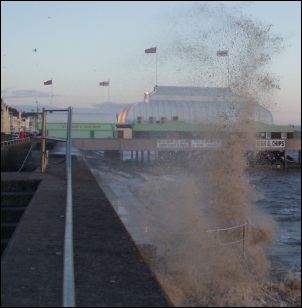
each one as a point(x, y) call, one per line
point(229, 228)
point(244, 227)
point(68, 277)
point(31, 146)
point(68, 297)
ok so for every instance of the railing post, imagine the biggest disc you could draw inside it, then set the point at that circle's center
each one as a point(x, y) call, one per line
point(68, 277)
point(68, 140)
point(43, 142)
point(68, 267)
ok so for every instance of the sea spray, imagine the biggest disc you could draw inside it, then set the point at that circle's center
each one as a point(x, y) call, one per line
point(210, 243)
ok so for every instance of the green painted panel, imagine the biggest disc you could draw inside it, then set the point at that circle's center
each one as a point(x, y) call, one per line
point(80, 126)
point(180, 126)
point(104, 134)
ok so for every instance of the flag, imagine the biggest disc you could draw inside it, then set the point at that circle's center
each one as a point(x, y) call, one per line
point(104, 83)
point(151, 50)
point(222, 53)
point(48, 82)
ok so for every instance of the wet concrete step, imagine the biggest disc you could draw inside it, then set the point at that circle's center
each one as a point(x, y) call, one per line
point(16, 198)
point(7, 229)
point(4, 243)
point(17, 193)
point(12, 213)
point(19, 186)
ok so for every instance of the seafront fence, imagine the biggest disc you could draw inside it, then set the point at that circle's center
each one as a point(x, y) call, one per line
point(222, 237)
point(8, 143)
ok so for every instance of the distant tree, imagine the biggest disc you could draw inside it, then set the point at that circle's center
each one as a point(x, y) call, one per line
point(14, 111)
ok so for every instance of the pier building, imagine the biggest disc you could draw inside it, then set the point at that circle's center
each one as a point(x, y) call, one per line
point(184, 119)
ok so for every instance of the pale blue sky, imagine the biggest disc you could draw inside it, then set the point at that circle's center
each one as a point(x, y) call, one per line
point(80, 44)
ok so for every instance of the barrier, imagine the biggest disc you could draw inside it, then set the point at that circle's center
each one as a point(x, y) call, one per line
point(223, 237)
point(8, 143)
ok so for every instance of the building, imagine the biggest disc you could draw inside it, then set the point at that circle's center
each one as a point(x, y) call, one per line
point(5, 118)
point(34, 119)
point(194, 105)
point(186, 117)
point(10, 119)
point(13, 121)
point(191, 112)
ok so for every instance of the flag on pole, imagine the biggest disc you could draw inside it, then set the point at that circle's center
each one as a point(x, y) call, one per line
point(222, 53)
point(104, 83)
point(48, 82)
point(151, 50)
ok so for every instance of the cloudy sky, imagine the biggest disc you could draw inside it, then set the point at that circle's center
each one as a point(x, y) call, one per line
point(80, 44)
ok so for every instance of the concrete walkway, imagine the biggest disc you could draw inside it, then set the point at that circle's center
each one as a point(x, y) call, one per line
point(109, 270)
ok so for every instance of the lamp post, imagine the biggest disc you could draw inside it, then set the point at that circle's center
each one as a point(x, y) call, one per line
point(37, 116)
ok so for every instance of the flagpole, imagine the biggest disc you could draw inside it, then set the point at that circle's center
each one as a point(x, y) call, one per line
point(156, 69)
point(51, 92)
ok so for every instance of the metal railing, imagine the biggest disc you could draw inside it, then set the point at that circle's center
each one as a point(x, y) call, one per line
point(225, 240)
point(242, 231)
point(29, 151)
point(68, 278)
point(68, 267)
point(7, 143)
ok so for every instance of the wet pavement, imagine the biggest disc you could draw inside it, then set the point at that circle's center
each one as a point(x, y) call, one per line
point(109, 269)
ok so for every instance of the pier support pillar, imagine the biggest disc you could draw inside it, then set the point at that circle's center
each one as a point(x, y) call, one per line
point(142, 156)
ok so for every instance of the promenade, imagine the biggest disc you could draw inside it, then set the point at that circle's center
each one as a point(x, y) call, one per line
point(109, 269)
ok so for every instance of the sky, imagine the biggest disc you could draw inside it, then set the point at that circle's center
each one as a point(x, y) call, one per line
point(78, 44)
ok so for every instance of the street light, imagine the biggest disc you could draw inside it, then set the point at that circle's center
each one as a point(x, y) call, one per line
point(37, 116)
